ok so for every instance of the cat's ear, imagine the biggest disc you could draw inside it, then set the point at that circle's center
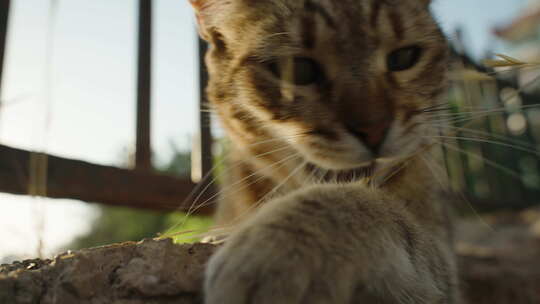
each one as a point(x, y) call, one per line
point(203, 10)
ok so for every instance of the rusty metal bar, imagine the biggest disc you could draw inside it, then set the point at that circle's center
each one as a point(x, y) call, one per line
point(205, 130)
point(4, 17)
point(143, 153)
point(75, 179)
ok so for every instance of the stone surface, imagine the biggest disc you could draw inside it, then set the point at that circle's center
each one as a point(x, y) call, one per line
point(145, 272)
point(498, 257)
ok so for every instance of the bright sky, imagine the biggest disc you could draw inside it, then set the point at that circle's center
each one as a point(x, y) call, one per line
point(79, 101)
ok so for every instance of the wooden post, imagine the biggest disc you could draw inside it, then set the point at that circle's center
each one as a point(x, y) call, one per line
point(143, 157)
point(4, 16)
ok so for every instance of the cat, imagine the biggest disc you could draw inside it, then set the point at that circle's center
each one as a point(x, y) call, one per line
point(329, 188)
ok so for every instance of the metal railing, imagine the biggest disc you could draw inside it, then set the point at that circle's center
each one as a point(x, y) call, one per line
point(141, 187)
point(494, 171)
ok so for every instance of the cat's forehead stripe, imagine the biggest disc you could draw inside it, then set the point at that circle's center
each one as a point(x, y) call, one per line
point(378, 12)
point(375, 13)
point(397, 24)
point(308, 36)
point(310, 6)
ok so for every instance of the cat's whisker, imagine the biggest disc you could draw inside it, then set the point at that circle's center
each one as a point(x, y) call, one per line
point(483, 111)
point(398, 164)
point(435, 174)
point(437, 120)
point(236, 165)
point(209, 184)
point(372, 179)
point(520, 148)
point(492, 135)
point(310, 179)
point(431, 164)
point(467, 119)
point(475, 113)
point(434, 108)
point(270, 193)
point(277, 139)
point(321, 176)
point(224, 189)
point(395, 171)
point(220, 163)
point(277, 34)
point(491, 163)
point(435, 111)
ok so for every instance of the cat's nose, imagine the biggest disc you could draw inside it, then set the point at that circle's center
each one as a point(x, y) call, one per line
point(372, 135)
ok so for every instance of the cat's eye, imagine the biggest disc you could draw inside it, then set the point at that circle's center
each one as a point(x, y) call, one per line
point(301, 71)
point(403, 59)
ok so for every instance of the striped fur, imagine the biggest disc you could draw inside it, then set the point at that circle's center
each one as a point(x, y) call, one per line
point(388, 231)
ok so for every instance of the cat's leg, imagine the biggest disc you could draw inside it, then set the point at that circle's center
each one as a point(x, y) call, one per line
point(334, 244)
point(242, 190)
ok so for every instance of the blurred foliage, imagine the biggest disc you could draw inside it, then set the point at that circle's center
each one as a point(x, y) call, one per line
point(187, 230)
point(119, 224)
point(488, 156)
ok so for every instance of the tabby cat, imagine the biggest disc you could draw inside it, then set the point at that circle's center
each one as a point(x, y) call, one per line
point(330, 191)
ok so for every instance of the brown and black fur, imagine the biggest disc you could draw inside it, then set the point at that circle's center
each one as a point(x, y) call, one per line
point(341, 166)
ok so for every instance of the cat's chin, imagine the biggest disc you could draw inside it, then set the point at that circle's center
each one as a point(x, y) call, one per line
point(349, 175)
point(354, 172)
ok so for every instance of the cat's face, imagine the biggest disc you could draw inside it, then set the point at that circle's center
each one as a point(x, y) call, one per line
point(343, 81)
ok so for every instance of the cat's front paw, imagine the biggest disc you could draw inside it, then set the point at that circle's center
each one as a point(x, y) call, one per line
point(276, 265)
